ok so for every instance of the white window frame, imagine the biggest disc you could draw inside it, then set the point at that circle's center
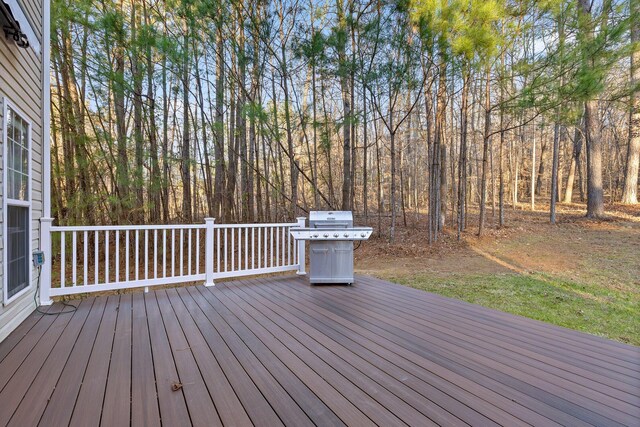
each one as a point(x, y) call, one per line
point(6, 104)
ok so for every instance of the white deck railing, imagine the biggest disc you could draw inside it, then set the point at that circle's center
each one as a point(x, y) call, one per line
point(104, 258)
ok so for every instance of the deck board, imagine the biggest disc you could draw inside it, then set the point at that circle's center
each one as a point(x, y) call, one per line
point(116, 409)
point(88, 406)
point(143, 380)
point(277, 351)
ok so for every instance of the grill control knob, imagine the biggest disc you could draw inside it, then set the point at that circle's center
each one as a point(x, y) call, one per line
point(346, 235)
point(336, 235)
point(362, 234)
point(315, 235)
point(326, 235)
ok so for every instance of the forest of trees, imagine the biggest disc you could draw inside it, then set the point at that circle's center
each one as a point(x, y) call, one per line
point(253, 110)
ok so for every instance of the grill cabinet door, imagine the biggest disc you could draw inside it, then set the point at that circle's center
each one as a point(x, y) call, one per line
point(343, 262)
point(320, 261)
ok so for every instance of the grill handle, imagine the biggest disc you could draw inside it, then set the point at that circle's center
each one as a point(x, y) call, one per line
point(332, 224)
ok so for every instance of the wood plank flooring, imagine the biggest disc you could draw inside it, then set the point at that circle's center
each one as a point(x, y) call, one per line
point(277, 351)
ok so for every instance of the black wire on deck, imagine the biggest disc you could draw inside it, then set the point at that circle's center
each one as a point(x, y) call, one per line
point(35, 299)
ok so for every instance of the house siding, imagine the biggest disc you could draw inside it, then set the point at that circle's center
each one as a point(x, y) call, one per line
point(21, 84)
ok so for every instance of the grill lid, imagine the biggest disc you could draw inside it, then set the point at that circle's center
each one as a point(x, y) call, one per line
point(330, 219)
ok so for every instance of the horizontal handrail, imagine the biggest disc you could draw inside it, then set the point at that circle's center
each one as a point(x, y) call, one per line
point(125, 227)
point(280, 224)
point(162, 226)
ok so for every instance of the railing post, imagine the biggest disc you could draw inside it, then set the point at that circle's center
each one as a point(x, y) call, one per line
point(208, 251)
point(301, 247)
point(45, 273)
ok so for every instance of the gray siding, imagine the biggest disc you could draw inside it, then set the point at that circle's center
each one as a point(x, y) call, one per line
point(21, 84)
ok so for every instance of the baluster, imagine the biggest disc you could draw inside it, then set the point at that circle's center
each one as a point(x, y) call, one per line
point(146, 254)
point(233, 249)
point(63, 260)
point(226, 249)
point(117, 256)
point(126, 254)
point(253, 248)
point(106, 256)
point(259, 247)
point(218, 247)
point(155, 253)
point(239, 249)
point(75, 258)
point(86, 257)
point(288, 246)
point(246, 250)
point(283, 245)
point(182, 252)
point(294, 250)
point(173, 252)
point(137, 254)
point(189, 252)
point(277, 246)
point(198, 251)
point(271, 245)
point(96, 259)
point(164, 252)
point(266, 262)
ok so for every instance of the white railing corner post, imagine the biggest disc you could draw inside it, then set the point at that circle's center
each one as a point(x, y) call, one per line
point(209, 251)
point(301, 248)
point(45, 274)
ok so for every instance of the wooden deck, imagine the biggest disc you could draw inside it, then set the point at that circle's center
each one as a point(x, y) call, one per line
point(277, 351)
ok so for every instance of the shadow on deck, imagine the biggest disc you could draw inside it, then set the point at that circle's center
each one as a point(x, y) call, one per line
point(275, 351)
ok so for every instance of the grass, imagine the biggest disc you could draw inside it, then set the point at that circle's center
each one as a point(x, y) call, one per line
point(579, 274)
point(588, 308)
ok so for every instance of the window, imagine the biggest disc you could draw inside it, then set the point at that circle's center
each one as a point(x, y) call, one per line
point(17, 203)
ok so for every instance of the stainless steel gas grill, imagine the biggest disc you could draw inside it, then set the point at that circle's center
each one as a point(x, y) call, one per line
point(331, 235)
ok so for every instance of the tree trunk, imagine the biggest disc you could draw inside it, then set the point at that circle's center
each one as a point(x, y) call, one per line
point(155, 180)
point(165, 134)
point(392, 141)
point(575, 165)
point(485, 151)
point(595, 192)
point(346, 107)
point(186, 132)
point(365, 188)
point(241, 129)
point(630, 192)
point(118, 89)
point(554, 171)
point(138, 179)
point(541, 169)
point(462, 168)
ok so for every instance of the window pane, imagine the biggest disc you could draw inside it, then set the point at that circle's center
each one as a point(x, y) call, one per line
point(10, 125)
point(16, 154)
point(17, 249)
point(24, 188)
point(17, 184)
point(25, 162)
point(17, 130)
point(25, 135)
point(10, 192)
